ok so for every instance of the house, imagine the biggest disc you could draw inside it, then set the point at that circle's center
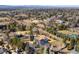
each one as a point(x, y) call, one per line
point(35, 21)
point(42, 39)
point(41, 26)
point(59, 21)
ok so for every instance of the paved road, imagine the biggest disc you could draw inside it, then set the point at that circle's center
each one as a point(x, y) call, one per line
point(50, 35)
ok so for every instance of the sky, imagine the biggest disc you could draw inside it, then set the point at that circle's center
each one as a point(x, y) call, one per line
point(39, 2)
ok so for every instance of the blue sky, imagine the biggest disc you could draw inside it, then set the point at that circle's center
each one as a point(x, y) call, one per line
point(39, 2)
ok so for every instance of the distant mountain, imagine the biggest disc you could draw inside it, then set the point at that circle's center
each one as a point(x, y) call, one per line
point(10, 7)
point(7, 7)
